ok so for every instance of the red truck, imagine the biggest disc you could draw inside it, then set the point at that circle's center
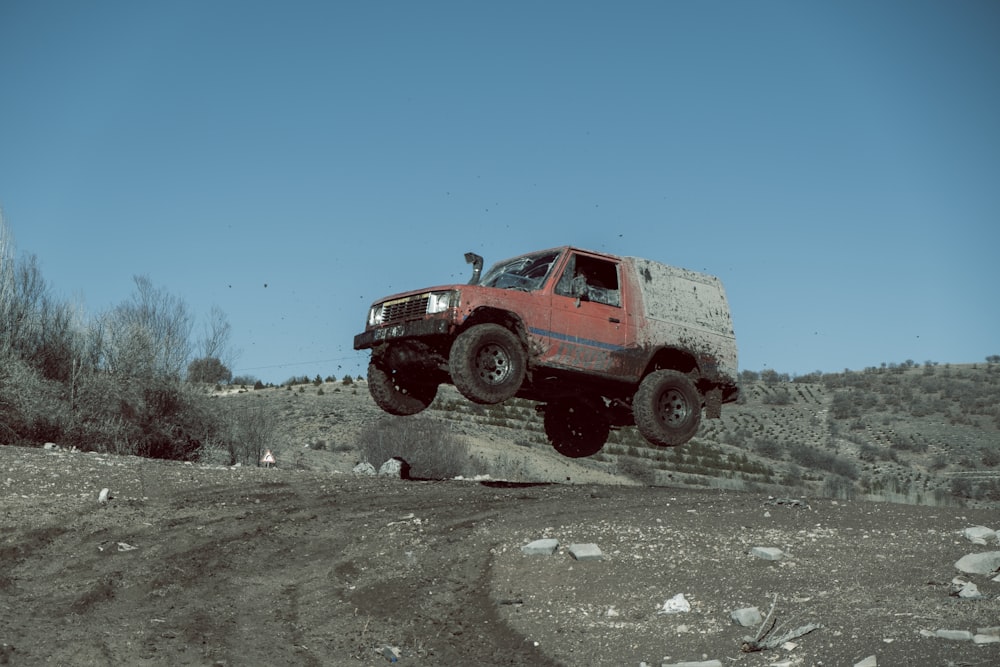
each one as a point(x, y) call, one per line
point(598, 341)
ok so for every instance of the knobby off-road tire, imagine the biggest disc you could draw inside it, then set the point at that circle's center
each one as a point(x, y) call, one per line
point(667, 408)
point(574, 429)
point(396, 395)
point(487, 363)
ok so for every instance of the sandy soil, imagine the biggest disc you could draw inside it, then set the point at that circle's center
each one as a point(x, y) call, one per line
point(205, 565)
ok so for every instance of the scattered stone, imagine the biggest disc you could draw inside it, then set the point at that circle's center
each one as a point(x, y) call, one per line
point(956, 635)
point(675, 605)
point(585, 551)
point(980, 535)
point(125, 546)
point(788, 502)
point(50, 446)
point(964, 589)
point(364, 468)
point(391, 653)
point(747, 617)
point(870, 661)
point(545, 547)
point(986, 562)
point(104, 496)
point(767, 553)
point(394, 467)
point(699, 663)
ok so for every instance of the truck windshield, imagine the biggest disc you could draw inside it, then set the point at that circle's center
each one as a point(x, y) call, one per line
point(526, 273)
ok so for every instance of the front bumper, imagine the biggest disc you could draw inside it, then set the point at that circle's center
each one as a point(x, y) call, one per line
point(389, 332)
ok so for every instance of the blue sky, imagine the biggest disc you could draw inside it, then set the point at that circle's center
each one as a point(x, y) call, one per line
point(836, 164)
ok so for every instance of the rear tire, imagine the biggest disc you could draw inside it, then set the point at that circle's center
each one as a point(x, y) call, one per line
point(574, 429)
point(398, 396)
point(487, 363)
point(667, 408)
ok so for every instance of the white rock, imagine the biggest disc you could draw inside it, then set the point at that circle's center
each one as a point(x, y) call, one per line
point(675, 605)
point(957, 635)
point(104, 495)
point(392, 468)
point(364, 468)
point(767, 553)
point(980, 535)
point(986, 639)
point(870, 661)
point(986, 562)
point(747, 617)
point(545, 547)
point(970, 591)
point(585, 551)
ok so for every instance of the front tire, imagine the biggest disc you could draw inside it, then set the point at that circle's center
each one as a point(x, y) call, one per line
point(398, 396)
point(667, 408)
point(487, 363)
point(574, 430)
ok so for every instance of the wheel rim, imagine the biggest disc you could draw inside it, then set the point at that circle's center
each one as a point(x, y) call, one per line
point(493, 364)
point(673, 408)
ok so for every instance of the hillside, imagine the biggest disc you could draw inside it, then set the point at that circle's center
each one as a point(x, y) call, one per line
point(927, 435)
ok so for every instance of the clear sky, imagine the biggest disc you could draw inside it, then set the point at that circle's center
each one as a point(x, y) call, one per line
point(837, 164)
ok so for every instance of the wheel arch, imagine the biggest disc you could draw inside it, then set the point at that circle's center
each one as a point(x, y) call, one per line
point(673, 359)
point(505, 318)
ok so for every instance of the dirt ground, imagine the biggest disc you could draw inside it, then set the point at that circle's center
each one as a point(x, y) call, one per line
point(206, 565)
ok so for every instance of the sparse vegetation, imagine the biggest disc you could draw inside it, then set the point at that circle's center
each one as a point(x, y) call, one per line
point(111, 383)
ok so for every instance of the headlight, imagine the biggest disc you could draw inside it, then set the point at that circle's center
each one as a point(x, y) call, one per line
point(375, 315)
point(438, 302)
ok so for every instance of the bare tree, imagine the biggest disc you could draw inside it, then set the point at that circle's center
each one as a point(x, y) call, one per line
point(215, 342)
point(148, 335)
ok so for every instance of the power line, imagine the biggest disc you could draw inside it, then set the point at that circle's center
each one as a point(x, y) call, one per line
point(296, 363)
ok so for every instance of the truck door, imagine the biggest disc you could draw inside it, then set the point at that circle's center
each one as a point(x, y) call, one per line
point(589, 328)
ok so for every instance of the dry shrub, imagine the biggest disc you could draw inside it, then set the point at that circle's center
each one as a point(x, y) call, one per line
point(639, 469)
point(429, 446)
point(30, 409)
point(247, 432)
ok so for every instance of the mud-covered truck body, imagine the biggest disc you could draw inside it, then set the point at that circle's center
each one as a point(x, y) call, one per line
point(599, 341)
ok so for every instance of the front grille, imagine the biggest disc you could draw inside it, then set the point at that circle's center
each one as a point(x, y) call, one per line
point(404, 310)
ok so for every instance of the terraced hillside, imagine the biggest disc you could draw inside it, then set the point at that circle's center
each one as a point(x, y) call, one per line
point(925, 435)
point(920, 434)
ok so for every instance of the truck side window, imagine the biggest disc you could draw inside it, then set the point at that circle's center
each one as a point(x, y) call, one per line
point(590, 279)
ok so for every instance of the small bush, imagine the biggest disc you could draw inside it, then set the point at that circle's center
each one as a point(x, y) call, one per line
point(638, 469)
point(429, 446)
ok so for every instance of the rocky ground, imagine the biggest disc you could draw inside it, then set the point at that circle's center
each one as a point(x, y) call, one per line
point(208, 565)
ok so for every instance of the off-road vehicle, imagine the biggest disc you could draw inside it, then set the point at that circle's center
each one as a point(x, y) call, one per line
point(598, 341)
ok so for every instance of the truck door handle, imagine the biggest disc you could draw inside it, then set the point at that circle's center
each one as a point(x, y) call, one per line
point(614, 319)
